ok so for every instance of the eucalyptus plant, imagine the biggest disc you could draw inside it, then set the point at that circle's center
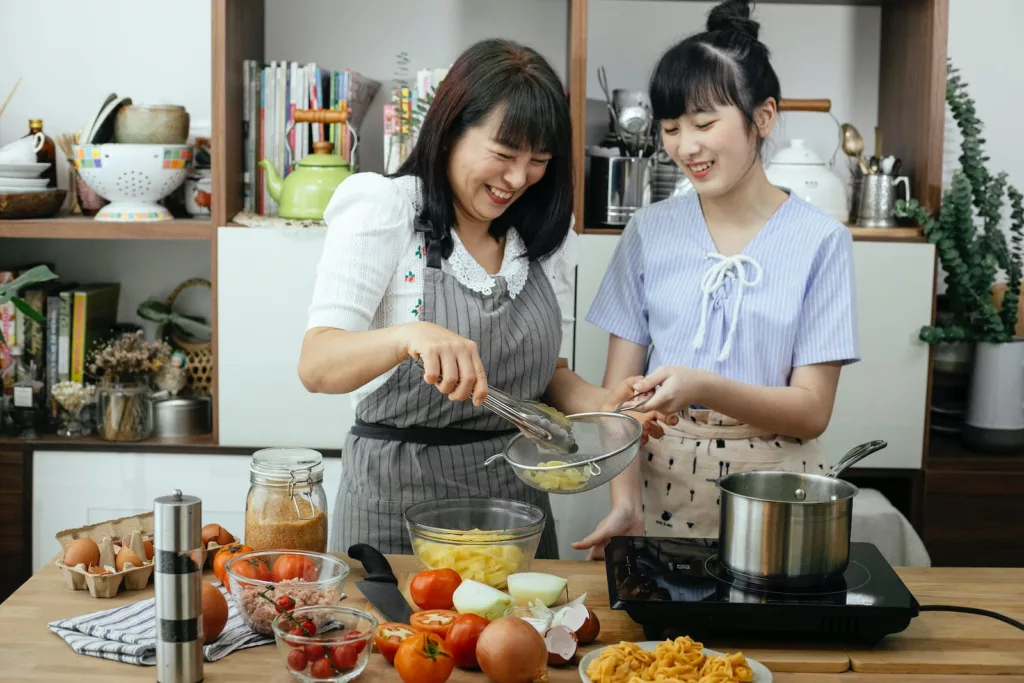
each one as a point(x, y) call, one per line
point(8, 290)
point(968, 235)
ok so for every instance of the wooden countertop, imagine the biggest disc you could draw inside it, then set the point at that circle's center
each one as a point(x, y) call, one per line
point(964, 648)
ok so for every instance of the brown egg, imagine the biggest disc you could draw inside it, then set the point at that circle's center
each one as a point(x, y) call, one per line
point(215, 533)
point(215, 613)
point(125, 556)
point(148, 545)
point(82, 551)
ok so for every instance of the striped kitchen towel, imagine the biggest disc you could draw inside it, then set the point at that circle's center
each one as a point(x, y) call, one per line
point(128, 634)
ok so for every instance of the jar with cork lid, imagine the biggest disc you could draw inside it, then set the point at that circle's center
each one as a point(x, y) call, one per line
point(286, 508)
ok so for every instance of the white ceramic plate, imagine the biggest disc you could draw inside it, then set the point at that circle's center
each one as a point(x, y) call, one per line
point(22, 182)
point(4, 189)
point(22, 170)
point(761, 672)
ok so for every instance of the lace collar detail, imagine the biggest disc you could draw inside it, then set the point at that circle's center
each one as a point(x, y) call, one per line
point(514, 268)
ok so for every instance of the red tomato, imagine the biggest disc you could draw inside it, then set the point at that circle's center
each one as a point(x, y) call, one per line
point(344, 656)
point(389, 636)
point(295, 567)
point(462, 637)
point(297, 660)
point(424, 658)
point(252, 568)
point(433, 589)
point(315, 652)
point(322, 669)
point(359, 645)
point(436, 621)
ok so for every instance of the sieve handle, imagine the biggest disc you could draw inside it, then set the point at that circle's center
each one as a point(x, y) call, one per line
point(491, 459)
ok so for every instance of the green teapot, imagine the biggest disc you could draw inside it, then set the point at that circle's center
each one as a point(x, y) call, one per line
point(306, 191)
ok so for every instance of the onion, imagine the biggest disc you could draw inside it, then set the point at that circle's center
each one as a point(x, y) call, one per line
point(526, 587)
point(509, 650)
point(473, 597)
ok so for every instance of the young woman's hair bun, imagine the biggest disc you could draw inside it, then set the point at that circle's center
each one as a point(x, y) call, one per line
point(733, 16)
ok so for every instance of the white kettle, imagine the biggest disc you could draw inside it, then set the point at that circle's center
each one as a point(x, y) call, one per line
point(798, 169)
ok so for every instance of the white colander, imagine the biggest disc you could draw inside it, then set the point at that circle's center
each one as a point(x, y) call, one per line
point(133, 178)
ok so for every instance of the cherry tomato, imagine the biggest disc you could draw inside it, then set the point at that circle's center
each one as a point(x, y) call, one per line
point(433, 589)
point(462, 637)
point(436, 621)
point(295, 567)
point(308, 627)
point(389, 636)
point(359, 645)
point(424, 658)
point(322, 669)
point(252, 568)
point(297, 660)
point(285, 603)
point(344, 656)
point(315, 652)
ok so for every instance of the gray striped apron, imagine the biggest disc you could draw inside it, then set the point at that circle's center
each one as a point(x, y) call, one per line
point(411, 443)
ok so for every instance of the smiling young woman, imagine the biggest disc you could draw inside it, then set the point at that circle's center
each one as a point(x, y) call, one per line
point(743, 293)
point(465, 260)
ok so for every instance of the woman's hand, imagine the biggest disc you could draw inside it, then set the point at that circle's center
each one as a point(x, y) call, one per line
point(623, 520)
point(676, 388)
point(648, 419)
point(450, 362)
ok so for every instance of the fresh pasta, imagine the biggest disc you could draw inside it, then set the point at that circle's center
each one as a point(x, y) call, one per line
point(566, 479)
point(490, 564)
point(673, 661)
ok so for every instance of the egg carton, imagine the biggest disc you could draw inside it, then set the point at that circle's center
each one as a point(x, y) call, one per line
point(134, 531)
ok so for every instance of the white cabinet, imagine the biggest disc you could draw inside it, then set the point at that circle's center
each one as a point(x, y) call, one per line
point(72, 489)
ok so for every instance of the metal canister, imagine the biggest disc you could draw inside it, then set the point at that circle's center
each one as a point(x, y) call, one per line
point(178, 580)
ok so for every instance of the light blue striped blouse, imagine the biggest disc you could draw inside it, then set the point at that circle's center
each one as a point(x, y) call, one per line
point(786, 300)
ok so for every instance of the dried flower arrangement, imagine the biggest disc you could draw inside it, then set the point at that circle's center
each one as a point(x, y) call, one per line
point(123, 368)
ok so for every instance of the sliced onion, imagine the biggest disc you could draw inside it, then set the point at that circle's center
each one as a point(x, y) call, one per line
point(526, 587)
point(473, 597)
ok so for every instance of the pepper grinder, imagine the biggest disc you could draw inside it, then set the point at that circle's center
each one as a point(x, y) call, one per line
point(178, 580)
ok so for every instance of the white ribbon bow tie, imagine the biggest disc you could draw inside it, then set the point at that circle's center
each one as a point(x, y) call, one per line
point(714, 277)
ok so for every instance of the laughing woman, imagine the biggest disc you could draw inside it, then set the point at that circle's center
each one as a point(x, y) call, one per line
point(465, 261)
point(745, 292)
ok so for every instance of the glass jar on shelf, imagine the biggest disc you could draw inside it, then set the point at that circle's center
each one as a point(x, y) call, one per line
point(286, 508)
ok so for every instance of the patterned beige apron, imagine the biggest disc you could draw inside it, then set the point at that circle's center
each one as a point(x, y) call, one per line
point(680, 469)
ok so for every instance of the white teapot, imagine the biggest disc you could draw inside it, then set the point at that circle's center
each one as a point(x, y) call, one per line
point(798, 169)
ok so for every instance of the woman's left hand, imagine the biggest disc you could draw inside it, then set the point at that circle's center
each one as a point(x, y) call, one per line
point(648, 419)
point(675, 388)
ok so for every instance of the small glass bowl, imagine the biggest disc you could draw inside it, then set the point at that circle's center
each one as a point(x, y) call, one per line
point(337, 652)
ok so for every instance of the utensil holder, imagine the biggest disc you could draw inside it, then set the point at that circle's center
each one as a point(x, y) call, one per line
point(874, 199)
point(617, 188)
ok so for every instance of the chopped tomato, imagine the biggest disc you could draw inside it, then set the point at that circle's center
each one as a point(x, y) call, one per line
point(436, 621)
point(462, 637)
point(434, 588)
point(424, 658)
point(389, 636)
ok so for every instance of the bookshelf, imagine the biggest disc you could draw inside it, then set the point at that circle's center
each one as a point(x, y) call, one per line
point(910, 115)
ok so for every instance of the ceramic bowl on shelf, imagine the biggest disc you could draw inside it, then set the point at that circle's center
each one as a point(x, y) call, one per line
point(134, 178)
point(165, 124)
point(31, 203)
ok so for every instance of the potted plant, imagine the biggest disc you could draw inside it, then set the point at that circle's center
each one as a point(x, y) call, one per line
point(8, 290)
point(973, 249)
point(124, 368)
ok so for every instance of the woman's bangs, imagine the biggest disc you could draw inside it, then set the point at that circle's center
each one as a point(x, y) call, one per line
point(693, 81)
point(533, 121)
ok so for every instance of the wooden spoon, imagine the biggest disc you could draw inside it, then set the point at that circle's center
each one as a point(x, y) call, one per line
point(853, 145)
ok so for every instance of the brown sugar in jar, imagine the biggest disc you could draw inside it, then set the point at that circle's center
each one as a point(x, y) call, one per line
point(286, 508)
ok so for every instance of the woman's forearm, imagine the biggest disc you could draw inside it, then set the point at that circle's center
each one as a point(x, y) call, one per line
point(625, 359)
point(570, 393)
point(336, 361)
point(800, 410)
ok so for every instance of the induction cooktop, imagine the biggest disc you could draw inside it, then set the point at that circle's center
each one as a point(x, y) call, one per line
point(674, 587)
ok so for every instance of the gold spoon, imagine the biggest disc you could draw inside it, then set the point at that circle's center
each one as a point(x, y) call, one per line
point(853, 145)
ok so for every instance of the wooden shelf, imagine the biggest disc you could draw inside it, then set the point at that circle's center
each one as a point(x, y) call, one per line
point(859, 234)
point(95, 443)
point(89, 229)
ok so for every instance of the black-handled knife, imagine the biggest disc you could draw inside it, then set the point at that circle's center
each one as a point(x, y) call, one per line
point(380, 585)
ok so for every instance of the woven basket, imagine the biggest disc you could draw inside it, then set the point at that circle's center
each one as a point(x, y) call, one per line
point(198, 354)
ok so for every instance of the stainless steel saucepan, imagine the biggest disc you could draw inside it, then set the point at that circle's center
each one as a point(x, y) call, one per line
point(788, 528)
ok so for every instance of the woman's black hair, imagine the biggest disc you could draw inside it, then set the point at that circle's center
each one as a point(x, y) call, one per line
point(490, 74)
point(722, 66)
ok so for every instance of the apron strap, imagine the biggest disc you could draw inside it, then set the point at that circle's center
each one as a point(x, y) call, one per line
point(433, 245)
point(426, 436)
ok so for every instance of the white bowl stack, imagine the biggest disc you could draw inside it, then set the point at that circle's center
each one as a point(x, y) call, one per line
point(20, 178)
